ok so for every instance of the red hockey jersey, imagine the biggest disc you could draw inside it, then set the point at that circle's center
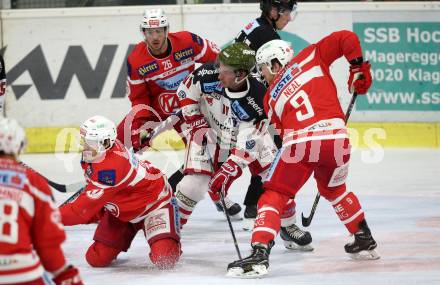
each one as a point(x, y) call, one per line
point(120, 183)
point(302, 100)
point(153, 81)
point(31, 232)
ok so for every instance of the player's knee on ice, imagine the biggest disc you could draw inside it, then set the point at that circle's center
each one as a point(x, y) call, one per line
point(165, 253)
point(101, 255)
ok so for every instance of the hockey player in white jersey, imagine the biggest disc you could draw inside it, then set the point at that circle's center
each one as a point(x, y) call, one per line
point(222, 104)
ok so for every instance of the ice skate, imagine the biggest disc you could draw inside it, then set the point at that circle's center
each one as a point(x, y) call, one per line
point(250, 214)
point(232, 207)
point(296, 239)
point(363, 246)
point(253, 266)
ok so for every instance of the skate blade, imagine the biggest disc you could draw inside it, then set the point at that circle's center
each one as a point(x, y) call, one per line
point(257, 271)
point(365, 255)
point(248, 224)
point(293, 246)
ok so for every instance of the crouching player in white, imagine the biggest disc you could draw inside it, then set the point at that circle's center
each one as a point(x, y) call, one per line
point(31, 232)
point(302, 101)
point(125, 195)
point(222, 98)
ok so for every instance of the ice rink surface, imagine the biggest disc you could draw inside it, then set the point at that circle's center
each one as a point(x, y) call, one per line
point(400, 193)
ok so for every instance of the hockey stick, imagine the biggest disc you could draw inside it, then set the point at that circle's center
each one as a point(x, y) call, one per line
point(63, 188)
point(66, 188)
point(222, 199)
point(306, 221)
point(73, 197)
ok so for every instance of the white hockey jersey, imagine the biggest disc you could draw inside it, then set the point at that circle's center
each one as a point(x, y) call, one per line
point(237, 119)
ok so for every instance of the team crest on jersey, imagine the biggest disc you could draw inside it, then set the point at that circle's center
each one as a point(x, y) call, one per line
point(112, 208)
point(169, 103)
point(95, 193)
point(107, 177)
point(183, 54)
point(148, 68)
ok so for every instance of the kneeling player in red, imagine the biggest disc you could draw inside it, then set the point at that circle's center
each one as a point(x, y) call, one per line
point(125, 195)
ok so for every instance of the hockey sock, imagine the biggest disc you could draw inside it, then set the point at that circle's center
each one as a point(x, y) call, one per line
point(288, 216)
point(349, 211)
point(267, 224)
point(186, 207)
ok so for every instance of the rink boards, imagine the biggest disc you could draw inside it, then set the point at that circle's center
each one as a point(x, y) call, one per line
point(73, 63)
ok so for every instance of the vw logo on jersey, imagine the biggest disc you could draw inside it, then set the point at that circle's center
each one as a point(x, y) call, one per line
point(250, 144)
point(169, 103)
point(239, 111)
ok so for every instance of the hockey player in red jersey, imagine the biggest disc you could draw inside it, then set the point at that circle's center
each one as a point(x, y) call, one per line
point(126, 195)
point(302, 102)
point(31, 232)
point(156, 66)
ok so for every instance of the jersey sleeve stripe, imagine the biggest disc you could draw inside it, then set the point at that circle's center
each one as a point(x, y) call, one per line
point(202, 53)
point(135, 82)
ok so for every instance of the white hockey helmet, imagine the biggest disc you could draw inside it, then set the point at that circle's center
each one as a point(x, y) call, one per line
point(12, 137)
point(154, 18)
point(274, 50)
point(98, 133)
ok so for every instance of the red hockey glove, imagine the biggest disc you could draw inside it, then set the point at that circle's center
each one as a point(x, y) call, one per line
point(70, 276)
point(197, 127)
point(223, 178)
point(360, 78)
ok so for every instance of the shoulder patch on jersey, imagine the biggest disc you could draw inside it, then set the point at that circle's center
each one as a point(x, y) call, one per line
point(107, 177)
point(12, 178)
point(251, 26)
point(148, 68)
point(95, 194)
point(239, 111)
point(198, 40)
point(183, 54)
point(210, 87)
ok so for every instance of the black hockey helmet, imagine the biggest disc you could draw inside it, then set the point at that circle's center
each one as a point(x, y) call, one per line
point(266, 5)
